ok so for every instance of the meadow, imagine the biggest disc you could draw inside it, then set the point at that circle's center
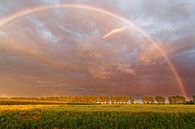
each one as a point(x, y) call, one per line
point(134, 116)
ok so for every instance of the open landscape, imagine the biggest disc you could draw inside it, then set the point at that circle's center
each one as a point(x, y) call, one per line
point(75, 112)
point(97, 64)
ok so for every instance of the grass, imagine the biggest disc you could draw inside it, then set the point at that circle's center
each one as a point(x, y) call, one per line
point(97, 116)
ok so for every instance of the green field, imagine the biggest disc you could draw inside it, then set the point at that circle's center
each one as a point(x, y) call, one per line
point(97, 116)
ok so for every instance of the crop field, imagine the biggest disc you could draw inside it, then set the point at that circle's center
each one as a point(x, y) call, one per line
point(135, 116)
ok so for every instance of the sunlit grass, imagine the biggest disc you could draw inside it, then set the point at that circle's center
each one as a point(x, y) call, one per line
point(97, 116)
point(125, 108)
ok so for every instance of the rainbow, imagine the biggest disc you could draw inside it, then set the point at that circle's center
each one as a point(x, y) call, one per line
point(28, 11)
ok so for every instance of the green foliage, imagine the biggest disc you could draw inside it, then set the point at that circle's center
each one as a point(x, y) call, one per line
point(193, 98)
point(132, 100)
point(177, 100)
point(104, 99)
point(119, 99)
point(190, 102)
point(147, 100)
point(92, 100)
point(160, 99)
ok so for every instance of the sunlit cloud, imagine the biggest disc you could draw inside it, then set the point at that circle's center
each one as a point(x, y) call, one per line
point(114, 31)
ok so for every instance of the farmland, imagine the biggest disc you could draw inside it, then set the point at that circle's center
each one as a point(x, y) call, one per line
point(134, 116)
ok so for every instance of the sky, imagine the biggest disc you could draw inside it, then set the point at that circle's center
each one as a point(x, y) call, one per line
point(74, 51)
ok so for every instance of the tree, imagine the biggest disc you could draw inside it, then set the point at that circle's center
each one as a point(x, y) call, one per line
point(104, 99)
point(115, 99)
point(177, 100)
point(147, 99)
point(119, 99)
point(132, 100)
point(160, 99)
point(181, 100)
point(193, 97)
point(172, 100)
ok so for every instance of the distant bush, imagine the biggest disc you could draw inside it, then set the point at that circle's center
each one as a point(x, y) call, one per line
point(190, 102)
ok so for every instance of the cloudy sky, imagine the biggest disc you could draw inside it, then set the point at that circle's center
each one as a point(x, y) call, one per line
point(74, 51)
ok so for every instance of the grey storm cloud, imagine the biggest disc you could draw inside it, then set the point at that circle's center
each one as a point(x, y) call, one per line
point(80, 52)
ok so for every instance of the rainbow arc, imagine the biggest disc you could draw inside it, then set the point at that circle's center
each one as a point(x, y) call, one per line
point(28, 11)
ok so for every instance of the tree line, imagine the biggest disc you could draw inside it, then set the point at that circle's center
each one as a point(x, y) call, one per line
point(101, 99)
